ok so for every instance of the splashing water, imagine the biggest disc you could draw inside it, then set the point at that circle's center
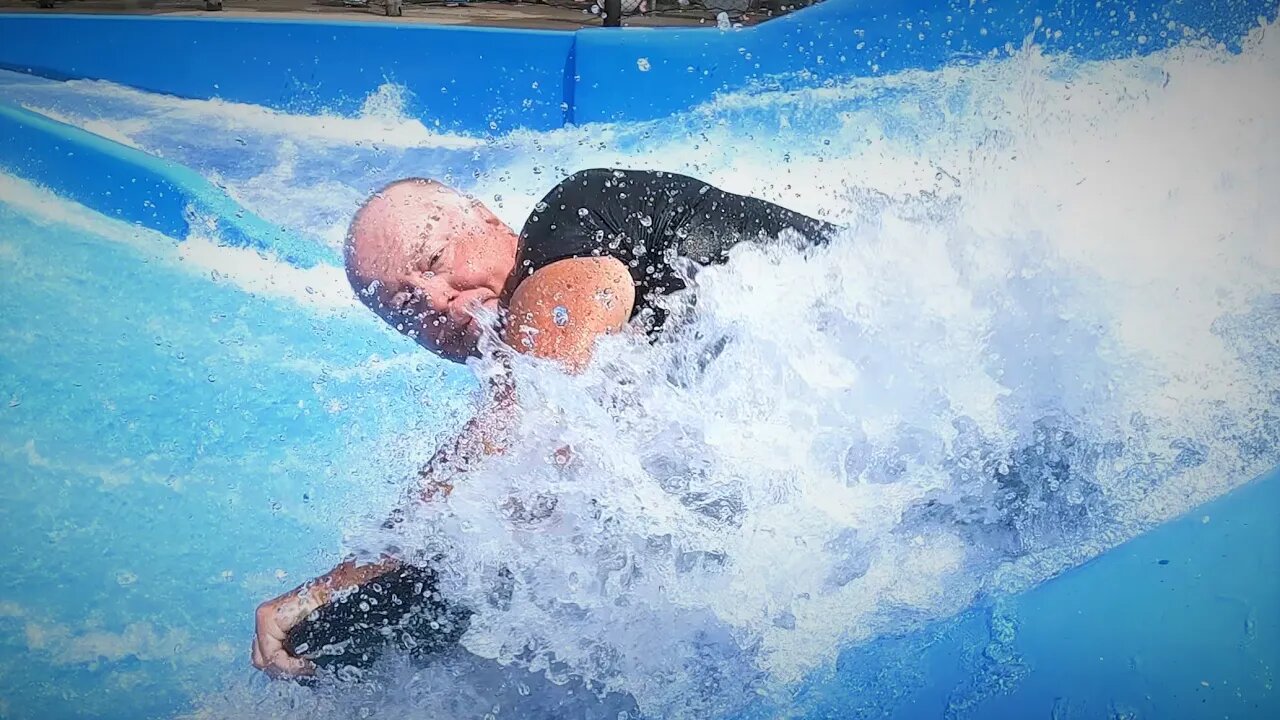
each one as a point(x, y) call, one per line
point(1069, 337)
point(1051, 323)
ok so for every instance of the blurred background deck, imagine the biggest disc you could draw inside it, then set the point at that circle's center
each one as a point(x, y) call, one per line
point(544, 14)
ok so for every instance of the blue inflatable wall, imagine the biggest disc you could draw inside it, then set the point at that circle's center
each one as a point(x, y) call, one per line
point(845, 38)
point(463, 79)
point(483, 81)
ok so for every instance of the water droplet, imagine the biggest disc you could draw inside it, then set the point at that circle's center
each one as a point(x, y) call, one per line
point(722, 21)
point(583, 212)
point(643, 64)
point(646, 221)
point(560, 315)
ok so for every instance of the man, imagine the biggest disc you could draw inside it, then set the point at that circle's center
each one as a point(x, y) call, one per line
point(595, 254)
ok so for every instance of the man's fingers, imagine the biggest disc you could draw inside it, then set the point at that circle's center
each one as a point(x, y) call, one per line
point(282, 663)
point(279, 663)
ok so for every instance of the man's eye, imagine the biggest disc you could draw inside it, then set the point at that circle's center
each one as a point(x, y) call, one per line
point(433, 262)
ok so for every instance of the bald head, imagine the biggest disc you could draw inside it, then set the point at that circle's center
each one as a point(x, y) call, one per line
point(422, 255)
point(400, 226)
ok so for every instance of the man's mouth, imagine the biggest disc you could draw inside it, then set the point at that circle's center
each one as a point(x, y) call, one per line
point(455, 339)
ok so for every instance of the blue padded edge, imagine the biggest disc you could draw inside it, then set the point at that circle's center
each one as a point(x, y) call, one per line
point(130, 185)
point(1180, 622)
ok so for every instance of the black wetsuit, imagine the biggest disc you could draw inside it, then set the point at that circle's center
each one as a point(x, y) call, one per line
point(650, 221)
point(647, 220)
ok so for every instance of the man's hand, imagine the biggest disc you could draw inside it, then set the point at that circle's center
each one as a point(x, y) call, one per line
point(275, 618)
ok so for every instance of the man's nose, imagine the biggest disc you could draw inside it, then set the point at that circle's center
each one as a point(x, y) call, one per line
point(436, 293)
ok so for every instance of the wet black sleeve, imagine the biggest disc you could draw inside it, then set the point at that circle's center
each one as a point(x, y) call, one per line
point(750, 217)
point(644, 219)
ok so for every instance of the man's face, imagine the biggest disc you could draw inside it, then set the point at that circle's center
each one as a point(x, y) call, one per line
point(431, 263)
point(436, 300)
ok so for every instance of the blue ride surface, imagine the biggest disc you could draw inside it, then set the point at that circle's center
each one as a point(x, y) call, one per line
point(1183, 621)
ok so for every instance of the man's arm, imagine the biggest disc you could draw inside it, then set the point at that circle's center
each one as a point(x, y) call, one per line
point(558, 313)
point(480, 437)
point(276, 617)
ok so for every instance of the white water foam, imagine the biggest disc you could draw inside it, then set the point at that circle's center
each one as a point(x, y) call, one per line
point(1051, 324)
point(381, 119)
point(114, 130)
